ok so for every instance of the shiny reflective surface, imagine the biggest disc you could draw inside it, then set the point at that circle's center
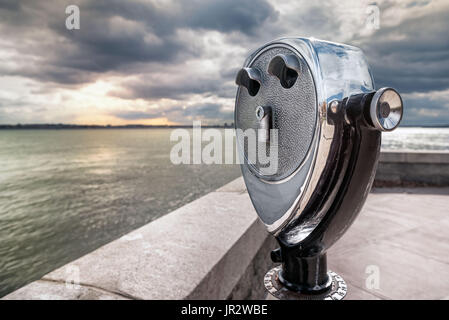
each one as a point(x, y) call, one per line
point(338, 71)
point(386, 109)
point(295, 119)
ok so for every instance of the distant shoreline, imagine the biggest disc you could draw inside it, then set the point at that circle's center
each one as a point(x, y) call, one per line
point(141, 126)
point(76, 126)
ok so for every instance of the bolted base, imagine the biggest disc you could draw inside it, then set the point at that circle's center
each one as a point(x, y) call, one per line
point(337, 288)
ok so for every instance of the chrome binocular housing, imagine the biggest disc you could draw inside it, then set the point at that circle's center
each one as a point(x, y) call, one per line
point(314, 105)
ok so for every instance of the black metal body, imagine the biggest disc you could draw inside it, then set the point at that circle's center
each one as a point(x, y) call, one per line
point(344, 186)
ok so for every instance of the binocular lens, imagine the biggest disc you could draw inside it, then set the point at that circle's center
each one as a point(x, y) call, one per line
point(386, 109)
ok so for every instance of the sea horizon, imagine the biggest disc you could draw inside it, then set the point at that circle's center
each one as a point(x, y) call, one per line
point(149, 126)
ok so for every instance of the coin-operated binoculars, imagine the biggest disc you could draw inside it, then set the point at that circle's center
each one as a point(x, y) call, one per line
point(313, 104)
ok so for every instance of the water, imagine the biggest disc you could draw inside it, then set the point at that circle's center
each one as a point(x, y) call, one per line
point(416, 139)
point(64, 193)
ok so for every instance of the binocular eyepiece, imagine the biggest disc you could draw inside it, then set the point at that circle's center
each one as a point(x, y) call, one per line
point(314, 106)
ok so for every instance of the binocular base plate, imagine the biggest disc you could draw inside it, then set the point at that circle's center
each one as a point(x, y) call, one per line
point(279, 291)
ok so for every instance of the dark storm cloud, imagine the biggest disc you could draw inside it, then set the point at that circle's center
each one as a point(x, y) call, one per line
point(417, 4)
point(229, 15)
point(207, 111)
point(116, 34)
point(10, 5)
point(109, 40)
point(181, 114)
point(143, 40)
point(413, 56)
point(426, 110)
point(175, 88)
point(219, 15)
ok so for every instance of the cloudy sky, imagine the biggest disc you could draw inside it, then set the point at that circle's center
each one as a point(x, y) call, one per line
point(159, 62)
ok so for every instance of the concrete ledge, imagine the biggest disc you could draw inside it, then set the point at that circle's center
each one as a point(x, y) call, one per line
point(411, 168)
point(203, 250)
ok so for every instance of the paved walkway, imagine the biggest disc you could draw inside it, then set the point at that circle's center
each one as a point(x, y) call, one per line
point(400, 244)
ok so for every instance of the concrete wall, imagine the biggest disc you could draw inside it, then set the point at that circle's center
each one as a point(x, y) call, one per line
point(212, 248)
point(411, 168)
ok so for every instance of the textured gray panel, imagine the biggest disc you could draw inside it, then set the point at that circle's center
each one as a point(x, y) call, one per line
point(294, 112)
